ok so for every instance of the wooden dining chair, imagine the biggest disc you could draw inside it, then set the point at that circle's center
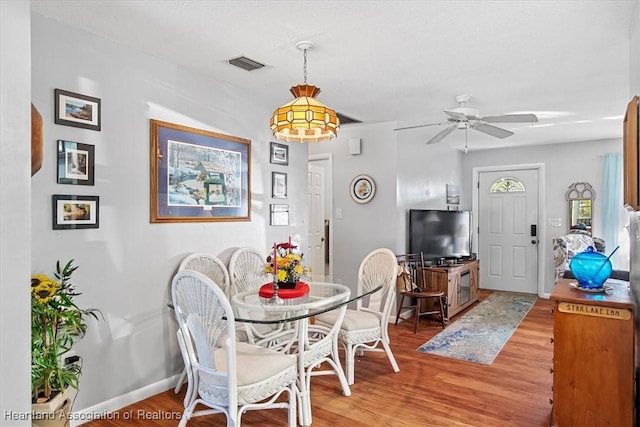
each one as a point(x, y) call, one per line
point(412, 285)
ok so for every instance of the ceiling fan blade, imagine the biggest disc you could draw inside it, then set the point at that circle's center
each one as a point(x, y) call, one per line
point(492, 130)
point(456, 115)
point(512, 118)
point(421, 126)
point(440, 136)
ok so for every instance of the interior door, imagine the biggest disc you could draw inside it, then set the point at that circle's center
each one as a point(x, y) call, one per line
point(508, 230)
point(316, 238)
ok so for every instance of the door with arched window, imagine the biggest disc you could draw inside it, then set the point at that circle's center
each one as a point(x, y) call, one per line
point(508, 230)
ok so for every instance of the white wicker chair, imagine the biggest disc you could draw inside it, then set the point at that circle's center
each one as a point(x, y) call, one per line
point(233, 377)
point(319, 345)
point(212, 267)
point(246, 270)
point(247, 273)
point(364, 327)
point(209, 265)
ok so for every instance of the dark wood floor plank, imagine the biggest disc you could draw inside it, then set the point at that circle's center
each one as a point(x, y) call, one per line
point(429, 390)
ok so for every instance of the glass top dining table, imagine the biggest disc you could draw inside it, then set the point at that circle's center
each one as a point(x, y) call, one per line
point(250, 307)
point(291, 316)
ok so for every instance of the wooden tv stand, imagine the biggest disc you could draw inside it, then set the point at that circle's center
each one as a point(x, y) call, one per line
point(459, 283)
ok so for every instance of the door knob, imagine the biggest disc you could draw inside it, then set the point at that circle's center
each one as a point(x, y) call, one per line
point(322, 239)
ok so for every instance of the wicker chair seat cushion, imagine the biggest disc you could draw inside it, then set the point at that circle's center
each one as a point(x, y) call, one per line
point(353, 319)
point(254, 363)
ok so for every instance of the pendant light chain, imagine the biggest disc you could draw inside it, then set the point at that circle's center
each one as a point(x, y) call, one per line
point(305, 66)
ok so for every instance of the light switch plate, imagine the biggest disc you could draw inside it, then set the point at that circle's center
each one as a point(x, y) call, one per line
point(554, 222)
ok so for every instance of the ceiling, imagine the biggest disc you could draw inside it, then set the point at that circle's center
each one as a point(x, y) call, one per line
point(405, 61)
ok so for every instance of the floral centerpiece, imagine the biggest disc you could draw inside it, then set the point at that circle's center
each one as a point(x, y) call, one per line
point(286, 264)
point(56, 321)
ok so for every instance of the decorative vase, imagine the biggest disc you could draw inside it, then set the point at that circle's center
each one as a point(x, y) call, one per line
point(591, 269)
point(54, 413)
point(287, 285)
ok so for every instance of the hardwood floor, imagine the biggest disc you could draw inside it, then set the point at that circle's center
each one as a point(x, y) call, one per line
point(428, 391)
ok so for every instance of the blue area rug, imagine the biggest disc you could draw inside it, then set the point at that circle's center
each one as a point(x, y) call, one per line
point(479, 335)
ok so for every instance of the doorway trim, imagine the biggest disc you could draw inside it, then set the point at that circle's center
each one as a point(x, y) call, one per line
point(542, 246)
point(328, 192)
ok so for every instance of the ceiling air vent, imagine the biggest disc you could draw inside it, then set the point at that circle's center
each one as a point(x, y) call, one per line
point(245, 63)
point(346, 120)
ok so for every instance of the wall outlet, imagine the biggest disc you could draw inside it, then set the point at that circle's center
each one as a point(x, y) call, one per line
point(70, 358)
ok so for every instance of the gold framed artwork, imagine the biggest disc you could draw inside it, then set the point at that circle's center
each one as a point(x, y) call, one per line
point(198, 175)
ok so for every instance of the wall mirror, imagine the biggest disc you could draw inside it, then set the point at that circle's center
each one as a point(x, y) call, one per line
point(580, 197)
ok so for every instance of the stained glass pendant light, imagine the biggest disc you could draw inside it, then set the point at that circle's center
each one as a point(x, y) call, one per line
point(305, 119)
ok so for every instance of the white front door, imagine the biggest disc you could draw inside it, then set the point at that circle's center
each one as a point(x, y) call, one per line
point(315, 236)
point(508, 230)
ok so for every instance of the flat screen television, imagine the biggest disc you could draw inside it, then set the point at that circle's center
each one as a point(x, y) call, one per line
point(440, 234)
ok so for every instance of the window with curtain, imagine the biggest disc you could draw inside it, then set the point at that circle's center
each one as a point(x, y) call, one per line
point(614, 216)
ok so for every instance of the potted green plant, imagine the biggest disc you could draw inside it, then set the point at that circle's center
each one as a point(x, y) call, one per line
point(56, 322)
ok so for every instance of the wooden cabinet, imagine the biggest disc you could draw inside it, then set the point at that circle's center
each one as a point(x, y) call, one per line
point(593, 357)
point(458, 282)
point(630, 153)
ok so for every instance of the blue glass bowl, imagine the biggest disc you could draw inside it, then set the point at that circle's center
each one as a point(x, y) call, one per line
point(590, 268)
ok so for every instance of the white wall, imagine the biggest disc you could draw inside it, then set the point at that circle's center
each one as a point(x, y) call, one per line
point(564, 165)
point(126, 265)
point(423, 172)
point(634, 52)
point(15, 206)
point(363, 227)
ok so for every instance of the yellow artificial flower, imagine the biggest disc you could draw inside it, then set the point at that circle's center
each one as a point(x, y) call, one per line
point(282, 275)
point(287, 262)
point(43, 288)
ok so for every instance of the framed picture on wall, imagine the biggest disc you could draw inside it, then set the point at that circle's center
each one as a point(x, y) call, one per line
point(362, 189)
point(74, 109)
point(279, 215)
point(75, 163)
point(198, 176)
point(279, 154)
point(278, 185)
point(72, 212)
point(453, 194)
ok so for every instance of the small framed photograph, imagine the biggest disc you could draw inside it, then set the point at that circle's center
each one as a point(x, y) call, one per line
point(278, 185)
point(279, 154)
point(75, 163)
point(72, 212)
point(279, 215)
point(74, 109)
point(453, 194)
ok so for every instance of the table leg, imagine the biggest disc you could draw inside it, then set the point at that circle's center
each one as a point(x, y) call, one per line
point(303, 381)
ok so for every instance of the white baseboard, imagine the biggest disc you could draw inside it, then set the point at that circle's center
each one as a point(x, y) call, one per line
point(105, 409)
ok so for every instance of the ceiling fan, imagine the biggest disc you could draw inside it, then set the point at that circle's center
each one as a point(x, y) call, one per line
point(465, 117)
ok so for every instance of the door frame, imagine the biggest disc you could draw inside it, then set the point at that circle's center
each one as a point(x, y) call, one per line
point(328, 198)
point(542, 246)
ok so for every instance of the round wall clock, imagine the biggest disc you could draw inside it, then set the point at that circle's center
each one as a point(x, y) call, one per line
point(362, 189)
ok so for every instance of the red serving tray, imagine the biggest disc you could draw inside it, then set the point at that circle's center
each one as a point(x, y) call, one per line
point(301, 289)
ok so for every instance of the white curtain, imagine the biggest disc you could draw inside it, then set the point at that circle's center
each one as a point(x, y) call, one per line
point(614, 216)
